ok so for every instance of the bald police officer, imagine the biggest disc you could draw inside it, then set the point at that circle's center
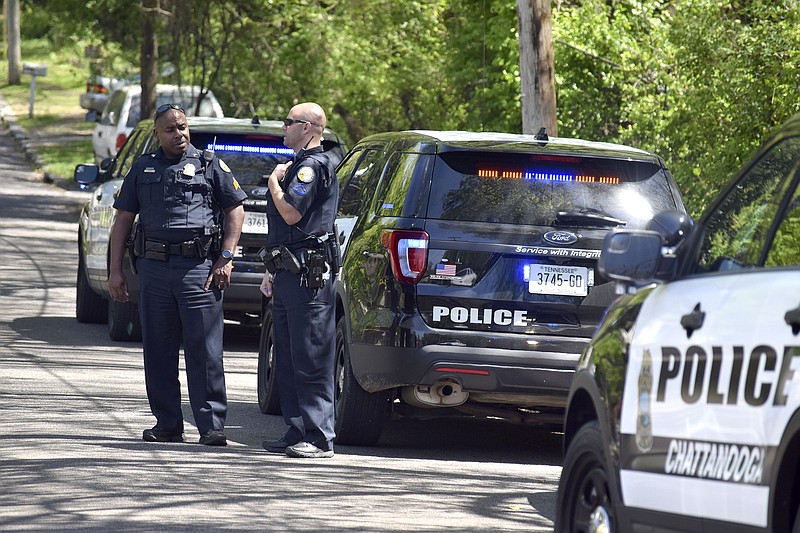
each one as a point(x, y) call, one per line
point(301, 213)
point(179, 196)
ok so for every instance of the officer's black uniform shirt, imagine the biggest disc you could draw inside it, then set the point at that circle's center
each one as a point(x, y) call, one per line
point(172, 196)
point(311, 187)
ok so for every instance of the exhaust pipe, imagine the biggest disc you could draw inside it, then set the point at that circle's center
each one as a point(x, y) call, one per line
point(443, 393)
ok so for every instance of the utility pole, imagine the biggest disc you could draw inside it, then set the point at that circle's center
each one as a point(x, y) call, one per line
point(537, 66)
point(13, 40)
point(149, 58)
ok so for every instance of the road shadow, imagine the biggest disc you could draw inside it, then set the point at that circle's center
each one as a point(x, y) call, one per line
point(62, 330)
point(452, 439)
point(67, 330)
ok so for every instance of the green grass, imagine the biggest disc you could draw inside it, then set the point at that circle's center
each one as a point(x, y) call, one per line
point(58, 128)
point(61, 159)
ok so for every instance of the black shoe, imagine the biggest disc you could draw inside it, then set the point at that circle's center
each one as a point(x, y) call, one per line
point(276, 446)
point(162, 435)
point(213, 437)
point(307, 450)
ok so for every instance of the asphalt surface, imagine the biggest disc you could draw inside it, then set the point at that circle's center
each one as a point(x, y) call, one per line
point(73, 411)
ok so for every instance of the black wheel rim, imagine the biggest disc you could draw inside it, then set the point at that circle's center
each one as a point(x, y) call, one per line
point(266, 369)
point(590, 493)
point(340, 370)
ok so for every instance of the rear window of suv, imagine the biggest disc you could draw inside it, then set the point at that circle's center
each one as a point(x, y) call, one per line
point(547, 190)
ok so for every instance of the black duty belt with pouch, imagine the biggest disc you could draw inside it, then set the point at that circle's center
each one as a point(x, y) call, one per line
point(280, 258)
point(310, 263)
point(161, 250)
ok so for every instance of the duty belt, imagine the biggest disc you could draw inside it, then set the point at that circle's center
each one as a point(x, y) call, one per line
point(161, 251)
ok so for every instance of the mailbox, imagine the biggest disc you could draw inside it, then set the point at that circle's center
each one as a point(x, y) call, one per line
point(34, 69)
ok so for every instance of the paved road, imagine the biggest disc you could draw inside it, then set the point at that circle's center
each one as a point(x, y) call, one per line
point(73, 409)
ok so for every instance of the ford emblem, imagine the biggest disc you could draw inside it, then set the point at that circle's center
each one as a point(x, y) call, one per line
point(560, 237)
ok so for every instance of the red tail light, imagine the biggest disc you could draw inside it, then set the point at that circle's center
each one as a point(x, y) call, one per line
point(408, 253)
point(92, 88)
point(120, 141)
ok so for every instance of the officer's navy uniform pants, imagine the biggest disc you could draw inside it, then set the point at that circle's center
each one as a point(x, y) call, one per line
point(174, 308)
point(305, 345)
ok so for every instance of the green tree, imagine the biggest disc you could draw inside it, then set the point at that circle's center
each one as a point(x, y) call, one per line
point(700, 82)
point(737, 66)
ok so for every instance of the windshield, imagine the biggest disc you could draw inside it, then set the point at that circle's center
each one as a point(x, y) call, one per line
point(546, 190)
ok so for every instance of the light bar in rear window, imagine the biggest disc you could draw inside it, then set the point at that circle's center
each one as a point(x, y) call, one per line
point(546, 175)
point(251, 149)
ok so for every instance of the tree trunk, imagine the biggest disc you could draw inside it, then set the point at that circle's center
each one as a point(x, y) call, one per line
point(149, 59)
point(537, 70)
point(13, 39)
point(354, 129)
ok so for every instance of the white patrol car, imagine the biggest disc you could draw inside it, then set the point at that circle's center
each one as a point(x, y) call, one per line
point(684, 414)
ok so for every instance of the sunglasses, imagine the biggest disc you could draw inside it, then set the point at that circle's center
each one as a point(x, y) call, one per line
point(289, 121)
point(166, 107)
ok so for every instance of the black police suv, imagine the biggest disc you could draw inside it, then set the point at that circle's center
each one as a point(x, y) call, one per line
point(684, 413)
point(251, 149)
point(469, 283)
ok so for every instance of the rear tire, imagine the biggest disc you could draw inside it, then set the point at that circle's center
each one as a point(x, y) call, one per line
point(123, 322)
point(360, 415)
point(90, 307)
point(796, 528)
point(584, 494)
point(268, 401)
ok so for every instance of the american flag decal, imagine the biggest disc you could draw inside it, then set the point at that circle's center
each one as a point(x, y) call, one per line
point(445, 270)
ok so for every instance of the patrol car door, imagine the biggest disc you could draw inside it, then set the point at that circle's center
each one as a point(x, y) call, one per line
point(713, 374)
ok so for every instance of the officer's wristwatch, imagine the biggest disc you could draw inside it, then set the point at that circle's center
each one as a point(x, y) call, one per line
point(227, 255)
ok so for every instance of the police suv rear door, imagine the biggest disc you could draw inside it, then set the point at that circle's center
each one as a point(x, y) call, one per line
point(708, 409)
point(713, 376)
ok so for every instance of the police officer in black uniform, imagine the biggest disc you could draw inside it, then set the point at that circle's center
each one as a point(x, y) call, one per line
point(301, 215)
point(180, 194)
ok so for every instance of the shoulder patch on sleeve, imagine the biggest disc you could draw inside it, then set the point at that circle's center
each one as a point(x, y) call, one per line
point(224, 166)
point(305, 175)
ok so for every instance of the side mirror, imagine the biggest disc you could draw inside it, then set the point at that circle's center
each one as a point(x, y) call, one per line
point(86, 174)
point(630, 255)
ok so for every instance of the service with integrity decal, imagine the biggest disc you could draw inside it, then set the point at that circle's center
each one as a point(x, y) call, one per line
point(558, 252)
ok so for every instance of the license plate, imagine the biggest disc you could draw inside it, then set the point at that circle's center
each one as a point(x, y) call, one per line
point(254, 223)
point(561, 280)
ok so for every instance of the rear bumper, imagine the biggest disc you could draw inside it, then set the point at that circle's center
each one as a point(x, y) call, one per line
point(93, 101)
point(536, 367)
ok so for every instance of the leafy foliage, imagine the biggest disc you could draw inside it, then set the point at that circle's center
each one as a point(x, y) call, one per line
point(700, 82)
point(738, 72)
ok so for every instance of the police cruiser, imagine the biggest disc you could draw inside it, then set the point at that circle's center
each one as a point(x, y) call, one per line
point(684, 413)
point(469, 283)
